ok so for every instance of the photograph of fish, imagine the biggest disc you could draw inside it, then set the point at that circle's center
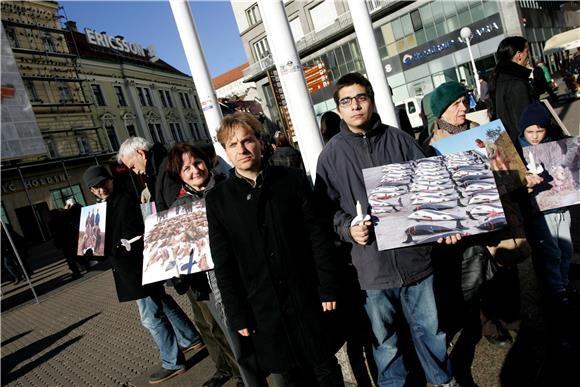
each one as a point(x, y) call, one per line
point(558, 162)
point(176, 243)
point(92, 229)
point(420, 201)
point(493, 142)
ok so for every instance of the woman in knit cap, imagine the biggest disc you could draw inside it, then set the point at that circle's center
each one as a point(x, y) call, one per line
point(449, 105)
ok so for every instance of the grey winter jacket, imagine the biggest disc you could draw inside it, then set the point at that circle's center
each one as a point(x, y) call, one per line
point(340, 183)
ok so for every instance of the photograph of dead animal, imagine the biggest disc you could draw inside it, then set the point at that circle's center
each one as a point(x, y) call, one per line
point(420, 201)
point(176, 243)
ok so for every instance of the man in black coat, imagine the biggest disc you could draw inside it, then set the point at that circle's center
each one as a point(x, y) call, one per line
point(172, 331)
point(274, 261)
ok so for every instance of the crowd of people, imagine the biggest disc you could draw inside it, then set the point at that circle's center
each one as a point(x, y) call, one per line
point(296, 272)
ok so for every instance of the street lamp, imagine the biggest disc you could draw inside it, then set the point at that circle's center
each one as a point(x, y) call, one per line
point(466, 35)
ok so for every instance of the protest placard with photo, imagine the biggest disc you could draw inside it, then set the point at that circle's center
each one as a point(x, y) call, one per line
point(560, 167)
point(92, 229)
point(420, 201)
point(176, 243)
point(493, 142)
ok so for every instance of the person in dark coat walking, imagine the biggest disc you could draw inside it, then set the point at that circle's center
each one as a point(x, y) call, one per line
point(284, 154)
point(510, 89)
point(172, 331)
point(274, 260)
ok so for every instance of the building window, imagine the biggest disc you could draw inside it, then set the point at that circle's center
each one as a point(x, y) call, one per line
point(197, 102)
point(83, 144)
point(253, 15)
point(296, 28)
point(162, 97)
point(416, 20)
point(165, 97)
point(120, 96)
point(148, 97)
point(5, 219)
point(197, 133)
point(99, 97)
point(12, 38)
point(31, 90)
point(59, 196)
point(112, 137)
point(193, 135)
point(323, 15)
point(261, 49)
point(131, 130)
point(50, 147)
point(48, 42)
point(144, 96)
point(168, 98)
point(156, 133)
point(187, 100)
point(64, 91)
point(176, 131)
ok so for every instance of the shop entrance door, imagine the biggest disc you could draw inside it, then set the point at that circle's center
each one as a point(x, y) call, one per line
point(29, 225)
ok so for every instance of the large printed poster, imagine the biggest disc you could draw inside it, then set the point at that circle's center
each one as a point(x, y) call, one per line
point(92, 229)
point(420, 201)
point(176, 243)
point(560, 165)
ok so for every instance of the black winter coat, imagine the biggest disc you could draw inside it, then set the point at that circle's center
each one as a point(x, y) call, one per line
point(124, 220)
point(340, 183)
point(274, 263)
point(163, 188)
point(511, 95)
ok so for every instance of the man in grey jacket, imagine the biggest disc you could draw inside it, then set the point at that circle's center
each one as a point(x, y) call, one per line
point(396, 281)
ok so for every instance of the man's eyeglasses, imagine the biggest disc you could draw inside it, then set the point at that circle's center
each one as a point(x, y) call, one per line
point(347, 101)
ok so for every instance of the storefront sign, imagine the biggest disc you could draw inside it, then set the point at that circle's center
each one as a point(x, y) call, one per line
point(116, 43)
point(16, 185)
point(482, 30)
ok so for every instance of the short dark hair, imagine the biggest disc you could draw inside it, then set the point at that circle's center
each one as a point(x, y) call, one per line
point(280, 139)
point(353, 79)
point(175, 158)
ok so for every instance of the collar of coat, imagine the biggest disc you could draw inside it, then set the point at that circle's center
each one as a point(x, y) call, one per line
point(514, 69)
point(254, 184)
point(375, 127)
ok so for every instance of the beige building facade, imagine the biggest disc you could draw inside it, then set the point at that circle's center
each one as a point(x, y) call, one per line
point(89, 91)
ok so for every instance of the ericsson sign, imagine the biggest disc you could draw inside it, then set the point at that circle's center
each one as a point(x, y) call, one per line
point(116, 43)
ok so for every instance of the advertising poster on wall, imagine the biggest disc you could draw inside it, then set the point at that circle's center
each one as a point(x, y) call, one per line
point(92, 229)
point(420, 201)
point(176, 243)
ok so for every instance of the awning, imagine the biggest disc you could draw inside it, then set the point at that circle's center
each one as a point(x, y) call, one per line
point(568, 40)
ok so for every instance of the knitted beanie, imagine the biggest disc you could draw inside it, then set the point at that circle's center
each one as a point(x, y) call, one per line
point(445, 95)
point(535, 114)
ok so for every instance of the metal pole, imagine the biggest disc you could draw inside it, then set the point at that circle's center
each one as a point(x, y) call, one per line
point(475, 73)
point(32, 206)
point(19, 261)
point(365, 36)
point(67, 179)
point(293, 83)
point(198, 67)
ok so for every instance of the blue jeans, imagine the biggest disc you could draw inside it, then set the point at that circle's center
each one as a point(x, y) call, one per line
point(554, 241)
point(169, 326)
point(417, 302)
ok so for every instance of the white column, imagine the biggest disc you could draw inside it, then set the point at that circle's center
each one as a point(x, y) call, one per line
point(374, 67)
point(293, 83)
point(198, 67)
